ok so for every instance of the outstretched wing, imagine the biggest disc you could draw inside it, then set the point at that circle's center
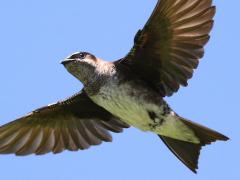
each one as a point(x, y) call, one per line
point(73, 124)
point(168, 48)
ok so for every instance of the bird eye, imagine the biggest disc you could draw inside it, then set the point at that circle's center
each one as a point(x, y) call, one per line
point(82, 55)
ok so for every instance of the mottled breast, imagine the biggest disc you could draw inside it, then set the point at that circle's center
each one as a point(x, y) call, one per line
point(142, 108)
point(129, 101)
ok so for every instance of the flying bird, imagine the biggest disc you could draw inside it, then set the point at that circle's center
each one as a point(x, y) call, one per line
point(127, 92)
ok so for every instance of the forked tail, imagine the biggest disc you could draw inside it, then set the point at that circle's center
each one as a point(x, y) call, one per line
point(188, 152)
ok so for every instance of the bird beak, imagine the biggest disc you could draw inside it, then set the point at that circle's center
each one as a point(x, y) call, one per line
point(66, 61)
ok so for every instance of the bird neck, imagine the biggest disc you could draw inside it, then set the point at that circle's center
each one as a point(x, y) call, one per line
point(103, 73)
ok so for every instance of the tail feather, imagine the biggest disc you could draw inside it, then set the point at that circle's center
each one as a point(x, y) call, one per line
point(188, 152)
point(204, 134)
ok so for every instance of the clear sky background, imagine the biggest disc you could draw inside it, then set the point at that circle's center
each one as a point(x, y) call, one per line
point(36, 35)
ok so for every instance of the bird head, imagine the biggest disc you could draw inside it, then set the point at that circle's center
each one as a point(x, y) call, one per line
point(82, 65)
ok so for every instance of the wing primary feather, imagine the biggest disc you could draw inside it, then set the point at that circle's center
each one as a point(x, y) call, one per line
point(32, 144)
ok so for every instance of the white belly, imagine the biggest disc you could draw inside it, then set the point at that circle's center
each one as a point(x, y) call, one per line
point(133, 108)
point(120, 101)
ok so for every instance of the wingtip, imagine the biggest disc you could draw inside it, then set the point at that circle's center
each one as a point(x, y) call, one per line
point(225, 138)
point(194, 171)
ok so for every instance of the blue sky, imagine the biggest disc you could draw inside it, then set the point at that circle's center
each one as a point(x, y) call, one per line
point(35, 36)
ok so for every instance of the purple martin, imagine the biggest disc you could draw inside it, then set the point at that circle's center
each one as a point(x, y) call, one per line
point(127, 92)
